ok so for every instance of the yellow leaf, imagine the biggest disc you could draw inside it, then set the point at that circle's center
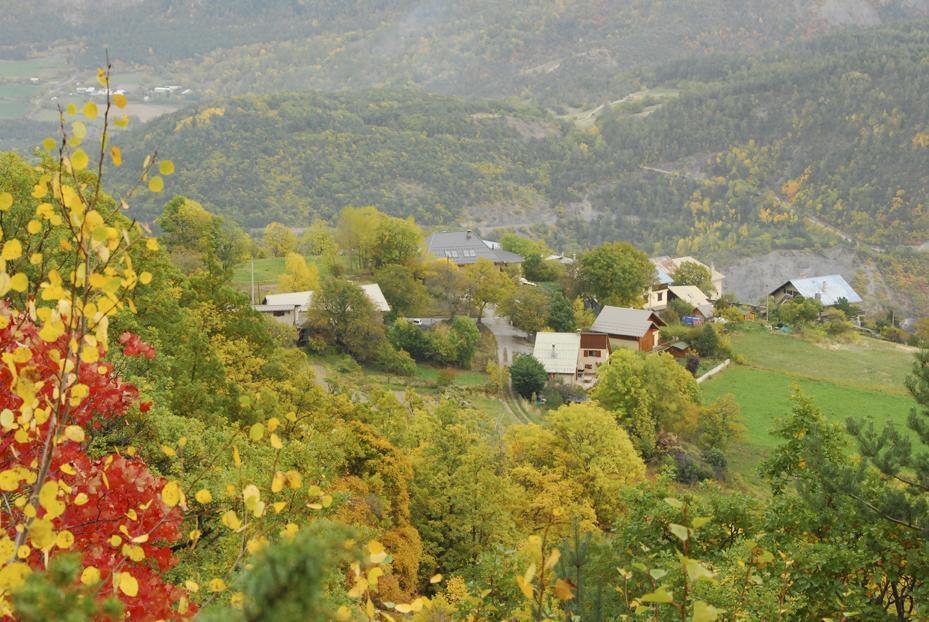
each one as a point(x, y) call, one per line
point(90, 575)
point(19, 282)
point(191, 586)
point(79, 130)
point(81, 499)
point(203, 496)
point(120, 100)
point(151, 244)
point(79, 160)
point(563, 590)
point(156, 184)
point(231, 521)
point(277, 482)
point(276, 442)
point(171, 494)
point(168, 451)
point(49, 144)
point(64, 540)
point(89, 110)
point(12, 249)
point(122, 121)
point(435, 579)
point(74, 432)
point(128, 584)
point(237, 600)
point(48, 494)
point(6, 201)
point(217, 585)
point(235, 456)
point(145, 278)
point(256, 432)
point(117, 154)
point(102, 78)
point(41, 534)
point(166, 167)
point(33, 226)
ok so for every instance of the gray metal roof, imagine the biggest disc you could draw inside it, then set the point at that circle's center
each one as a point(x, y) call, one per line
point(465, 247)
point(828, 289)
point(557, 351)
point(626, 322)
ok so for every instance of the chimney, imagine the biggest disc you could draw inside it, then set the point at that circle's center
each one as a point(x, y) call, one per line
point(554, 354)
point(468, 235)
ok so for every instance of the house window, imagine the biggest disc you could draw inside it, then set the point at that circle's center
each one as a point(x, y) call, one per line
point(660, 296)
point(588, 366)
point(592, 353)
point(279, 313)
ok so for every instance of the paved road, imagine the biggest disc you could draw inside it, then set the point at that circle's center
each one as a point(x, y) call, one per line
point(510, 340)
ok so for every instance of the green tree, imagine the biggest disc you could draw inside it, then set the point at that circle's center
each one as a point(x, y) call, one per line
point(707, 342)
point(527, 308)
point(646, 394)
point(583, 317)
point(616, 273)
point(405, 293)
point(456, 342)
point(692, 273)
point(447, 284)
point(298, 276)
point(341, 313)
point(560, 314)
point(198, 240)
point(279, 239)
point(394, 242)
point(318, 240)
point(523, 246)
point(411, 339)
point(486, 284)
point(528, 375)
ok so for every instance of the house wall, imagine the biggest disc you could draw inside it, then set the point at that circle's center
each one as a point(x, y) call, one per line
point(592, 357)
point(649, 340)
point(658, 299)
point(567, 379)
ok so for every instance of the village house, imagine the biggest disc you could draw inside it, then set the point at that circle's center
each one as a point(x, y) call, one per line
point(291, 308)
point(465, 247)
point(660, 297)
point(635, 329)
point(666, 267)
point(828, 290)
point(572, 358)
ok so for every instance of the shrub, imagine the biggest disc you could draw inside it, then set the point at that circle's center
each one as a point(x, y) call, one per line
point(395, 361)
point(528, 375)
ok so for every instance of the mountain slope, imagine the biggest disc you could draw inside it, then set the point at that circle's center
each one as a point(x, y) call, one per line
point(550, 50)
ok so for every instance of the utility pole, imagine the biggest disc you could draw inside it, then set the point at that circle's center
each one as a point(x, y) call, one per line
point(252, 297)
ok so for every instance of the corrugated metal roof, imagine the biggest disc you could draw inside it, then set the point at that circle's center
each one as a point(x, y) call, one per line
point(303, 299)
point(625, 322)
point(557, 351)
point(272, 308)
point(691, 294)
point(828, 288)
point(293, 299)
point(670, 265)
point(376, 296)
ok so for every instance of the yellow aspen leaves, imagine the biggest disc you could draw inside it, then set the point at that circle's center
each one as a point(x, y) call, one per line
point(33, 226)
point(203, 496)
point(120, 100)
point(6, 201)
point(89, 110)
point(128, 584)
point(49, 144)
point(64, 539)
point(168, 451)
point(276, 442)
point(74, 432)
point(290, 531)
point(12, 249)
point(79, 130)
point(145, 278)
point(156, 184)
point(171, 494)
point(183, 605)
point(90, 576)
point(277, 482)
point(231, 521)
point(166, 167)
point(236, 458)
point(256, 432)
point(376, 552)
point(343, 614)
point(121, 121)
point(71, 109)
point(115, 540)
point(437, 578)
point(563, 590)
point(117, 154)
point(102, 78)
point(19, 282)
point(216, 585)
point(151, 244)
point(41, 534)
point(191, 586)
point(81, 499)
point(79, 160)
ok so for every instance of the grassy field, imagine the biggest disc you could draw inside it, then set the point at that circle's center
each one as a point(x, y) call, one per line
point(862, 379)
point(267, 271)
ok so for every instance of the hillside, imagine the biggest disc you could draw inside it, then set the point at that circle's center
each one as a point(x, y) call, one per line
point(549, 50)
point(295, 157)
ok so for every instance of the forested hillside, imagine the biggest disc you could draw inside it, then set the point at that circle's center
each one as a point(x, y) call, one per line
point(553, 51)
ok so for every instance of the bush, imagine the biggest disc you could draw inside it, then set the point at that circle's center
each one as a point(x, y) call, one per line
point(707, 342)
point(528, 375)
point(446, 377)
point(395, 361)
point(411, 339)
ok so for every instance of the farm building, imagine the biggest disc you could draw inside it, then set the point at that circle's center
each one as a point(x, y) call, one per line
point(465, 247)
point(636, 329)
point(828, 290)
point(291, 308)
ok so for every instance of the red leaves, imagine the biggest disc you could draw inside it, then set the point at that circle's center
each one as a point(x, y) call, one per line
point(111, 505)
point(134, 346)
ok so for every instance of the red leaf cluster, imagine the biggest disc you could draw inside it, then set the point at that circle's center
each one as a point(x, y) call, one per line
point(123, 495)
point(134, 346)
